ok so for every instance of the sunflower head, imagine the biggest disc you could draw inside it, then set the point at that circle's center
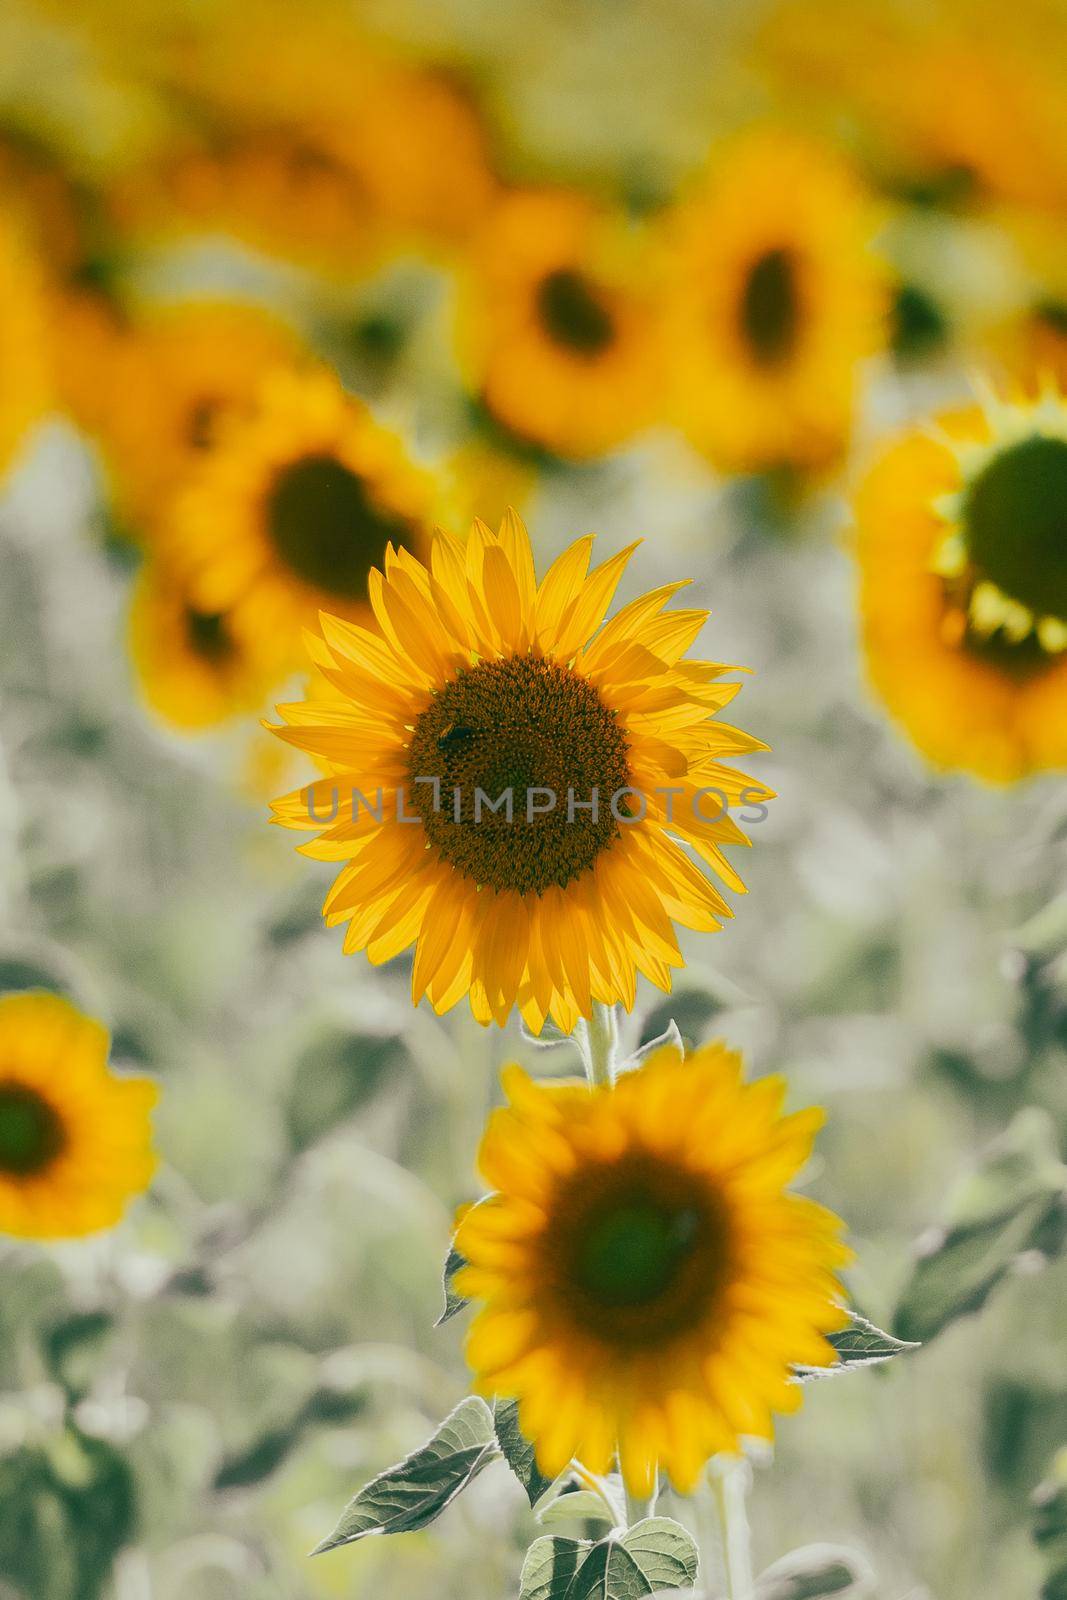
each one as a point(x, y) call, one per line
point(75, 1140)
point(510, 779)
point(773, 301)
point(556, 325)
point(23, 340)
point(647, 1282)
point(963, 555)
point(311, 492)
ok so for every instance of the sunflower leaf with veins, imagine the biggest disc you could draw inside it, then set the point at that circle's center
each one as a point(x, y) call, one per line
point(416, 1491)
point(860, 1344)
point(517, 1450)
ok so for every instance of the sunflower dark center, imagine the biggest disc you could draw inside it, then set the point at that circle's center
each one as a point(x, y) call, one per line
point(573, 314)
point(637, 1251)
point(1015, 523)
point(31, 1132)
point(770, 308)
point(207, 634)
point(327, 528)
point(540, 732)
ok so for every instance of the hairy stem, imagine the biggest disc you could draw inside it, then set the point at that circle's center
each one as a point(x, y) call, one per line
point(729, 1480)
point(598, 1039)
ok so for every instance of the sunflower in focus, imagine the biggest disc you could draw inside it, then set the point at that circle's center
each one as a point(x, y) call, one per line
point(774, 299)
point(194, 668)
point(291, 508)
point(554, 331)
point(23, 350)
point(75, 1140)
point(169, 382)
point(648, 1283)
point(963, 581)
point(478, 680)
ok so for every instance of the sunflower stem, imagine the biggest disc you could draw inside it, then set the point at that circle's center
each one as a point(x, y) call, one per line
point(637, 1509)
point(598, 1040)
point(729, 1479)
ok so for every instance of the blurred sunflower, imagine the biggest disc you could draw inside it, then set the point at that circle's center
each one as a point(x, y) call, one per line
point(23, 346)
point(480, 679)
point(774, 298)
point(75, 1140)
point(555, 333)
point(963, 587)
point(193, 667)
point(272, 189)
point(649, 1284)
point(289, 511)
point(167, 383)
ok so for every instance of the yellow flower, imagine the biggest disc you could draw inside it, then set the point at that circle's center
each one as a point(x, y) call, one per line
point(75, 1140)
point(963, 575)
point(271, 188)
point(481, 679)
point(168, 383)
point(193, 666)
point(290, 510)
point(23, 348)
point(555, 333)
point(648, 1283)
point(773, 300)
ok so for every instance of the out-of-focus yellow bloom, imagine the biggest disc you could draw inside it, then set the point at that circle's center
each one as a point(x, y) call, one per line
point(556, 324)
point(193, 666)
point(75, 1139)
point(167, 383)
point(289, 512)
point(963, 574)
point(23, 346)
point(481, 679)
point(773, 301)
point(649, 1283)
point(962, 101)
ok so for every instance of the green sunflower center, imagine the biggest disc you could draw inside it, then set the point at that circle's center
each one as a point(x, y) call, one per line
point(326, 526)
point(31, 1132)
point(637, 1249)
point(770, 308)
point(573, 314)
point(1015, 523)
point(540, 731)
point(207, 634)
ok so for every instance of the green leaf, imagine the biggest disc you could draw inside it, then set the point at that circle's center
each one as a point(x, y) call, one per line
point(859, 1344)
point(517, 1450)
point(652, 1555)
point(414, 1493)
point(454, 1303)
point(583, 1505)
point(550, 1567)
point(1050, 1527)
point(815, 1571)
point(1012, 1209)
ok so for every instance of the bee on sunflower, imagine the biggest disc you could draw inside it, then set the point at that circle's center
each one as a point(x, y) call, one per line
point(647, 1284)
point(555, 326)
point(963, 586)
point(773, 299)
point(477, 683)
point(311, 492)
point(75, 1139)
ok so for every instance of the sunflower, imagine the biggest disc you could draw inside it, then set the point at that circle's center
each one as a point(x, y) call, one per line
point(75, 1140)
point(479, 682)
point(555, 334)
point(774, 299)
point(193, 667)
point(23, 348)
point(290, 510)
point(648, 1283)
point(963, 574)
point(168, 382)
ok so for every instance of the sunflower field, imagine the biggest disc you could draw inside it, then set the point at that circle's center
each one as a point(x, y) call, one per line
point(490, 497)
